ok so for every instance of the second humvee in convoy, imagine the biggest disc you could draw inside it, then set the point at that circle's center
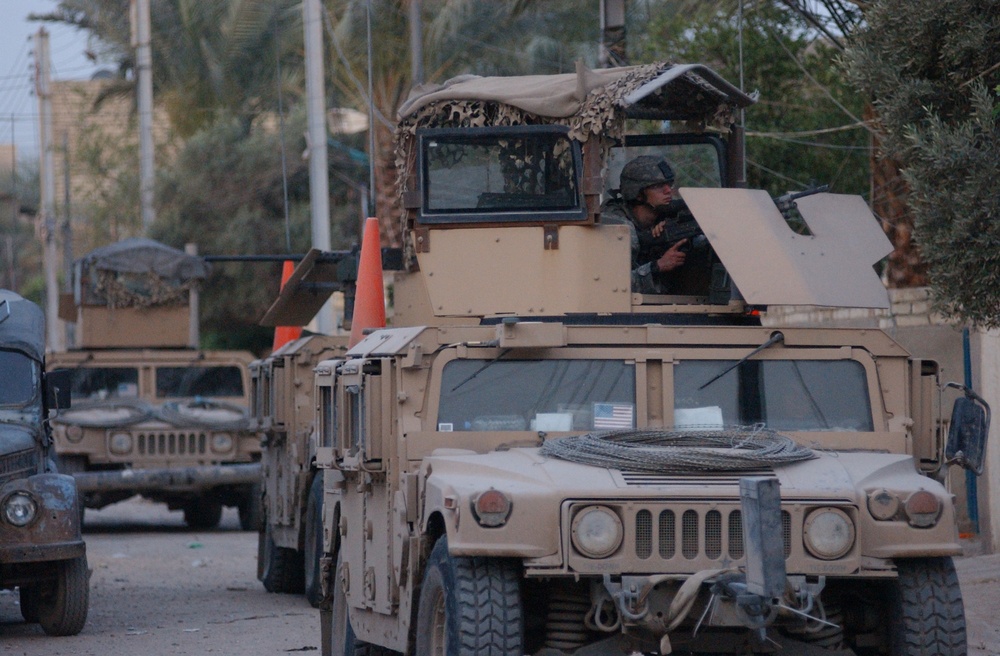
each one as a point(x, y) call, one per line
point(535, 459)
point(152, 414)
point(42, 552)
point(283, 411)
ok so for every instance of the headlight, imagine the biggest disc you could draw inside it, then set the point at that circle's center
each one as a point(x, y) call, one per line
point(20, 509)
point(222, 442)
point(491, 508)
point(74, 433)
point(597, 532)
point(922, 508)
point(882, 504)
point(120, 444)
point(828, 533)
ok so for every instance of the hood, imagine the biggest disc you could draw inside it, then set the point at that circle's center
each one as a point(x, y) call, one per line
point(836, 476)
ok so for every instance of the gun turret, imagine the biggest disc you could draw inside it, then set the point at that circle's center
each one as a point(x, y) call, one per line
point(786, 203)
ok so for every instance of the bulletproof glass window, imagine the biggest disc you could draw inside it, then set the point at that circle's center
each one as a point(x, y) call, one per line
point(174, 382)
point(791, 395)
point(327, 416)
point(696, 160)
point(20, 381)
point(488, 175)
point(105, 383)
point(537, 395)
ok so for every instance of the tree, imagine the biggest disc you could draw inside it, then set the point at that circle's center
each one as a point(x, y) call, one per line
point(933, 77)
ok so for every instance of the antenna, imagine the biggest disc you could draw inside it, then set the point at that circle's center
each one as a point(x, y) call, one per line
point(743, 121)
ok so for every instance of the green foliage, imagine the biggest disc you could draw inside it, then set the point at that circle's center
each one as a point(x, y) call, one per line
point(225, 193)
point(929, 72)
point(801, 90)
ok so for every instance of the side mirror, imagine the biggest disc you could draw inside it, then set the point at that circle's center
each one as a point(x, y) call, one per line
point(57, 388)
point(970, 426)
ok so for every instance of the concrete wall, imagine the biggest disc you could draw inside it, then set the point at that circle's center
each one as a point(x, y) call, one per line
point(927, 335)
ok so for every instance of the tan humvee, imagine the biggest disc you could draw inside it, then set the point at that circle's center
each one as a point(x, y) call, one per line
point(536, 460)
point(152, 415)
point(283, 412)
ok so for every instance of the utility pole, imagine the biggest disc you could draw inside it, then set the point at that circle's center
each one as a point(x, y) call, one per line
point(416, 43)
point(67, 238)
point(319, 182)
point(613, 52)
point(144, 73)
point(48, 189)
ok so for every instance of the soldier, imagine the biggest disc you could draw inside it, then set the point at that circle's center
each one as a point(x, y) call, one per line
point(643, 203)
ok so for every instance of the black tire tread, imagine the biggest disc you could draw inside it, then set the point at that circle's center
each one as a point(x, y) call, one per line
point(282, 569)
point(202, 514)
point(313, 542)
point(930, 617)
point(62, 611)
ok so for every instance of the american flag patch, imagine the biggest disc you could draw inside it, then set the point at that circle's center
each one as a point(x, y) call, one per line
point(614, 415)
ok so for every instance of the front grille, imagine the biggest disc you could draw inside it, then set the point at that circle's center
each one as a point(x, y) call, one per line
point(18, 465)
point(713, 534)
point(172, 443)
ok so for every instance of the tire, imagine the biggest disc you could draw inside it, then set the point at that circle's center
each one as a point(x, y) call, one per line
point(62, 605)
point(343, 640)
point(202, 514)
point(469, 606)
point(280, 568)
point(926, 611)
point(313, 547)
point(251, 509)
point(29, 603)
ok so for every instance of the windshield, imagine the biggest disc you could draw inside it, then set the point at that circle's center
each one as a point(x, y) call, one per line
point(19, 381)
point(791, 395)
point(498, 174)
point(99, 383)
point(550, 395)
point(694, 164)
point(172, 382)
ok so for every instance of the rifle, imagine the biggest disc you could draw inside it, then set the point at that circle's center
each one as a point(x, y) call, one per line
point(786, 203)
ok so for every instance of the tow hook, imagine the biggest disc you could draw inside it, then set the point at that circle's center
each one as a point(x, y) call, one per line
point(627, 596)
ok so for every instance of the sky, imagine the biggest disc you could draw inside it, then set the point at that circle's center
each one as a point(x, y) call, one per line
point(18, 104)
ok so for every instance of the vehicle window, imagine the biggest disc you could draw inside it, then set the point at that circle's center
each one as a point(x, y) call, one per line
point(499, 173)
point(695, 165)
point(550, 395)
point(198, 381)
point(19, 381)
point(104, 383)
point(791, 395)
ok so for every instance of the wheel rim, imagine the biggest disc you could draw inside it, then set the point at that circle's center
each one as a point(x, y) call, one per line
point(439, 634)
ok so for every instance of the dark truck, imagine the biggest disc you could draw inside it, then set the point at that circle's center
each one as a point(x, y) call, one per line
point(41, 550)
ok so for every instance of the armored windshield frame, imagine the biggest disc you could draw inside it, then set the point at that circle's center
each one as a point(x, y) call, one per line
point(573, 211)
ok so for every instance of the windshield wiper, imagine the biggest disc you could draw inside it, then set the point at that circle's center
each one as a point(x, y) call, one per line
point(776, 336)
point(481, 369)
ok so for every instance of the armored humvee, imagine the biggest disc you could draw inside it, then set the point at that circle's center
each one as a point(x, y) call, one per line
point(283, 412)
point(42, 552)
point(152, 414)
point(537, 460)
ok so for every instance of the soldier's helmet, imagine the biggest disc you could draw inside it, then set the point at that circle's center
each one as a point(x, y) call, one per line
point(641, 172)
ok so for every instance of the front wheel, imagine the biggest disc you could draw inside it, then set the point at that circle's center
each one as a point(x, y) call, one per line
point(251, 509)
point(314, 540)
point(202, 514)
point(926, 611)
point(469, 606)
point(62, 604)
point(279, 569)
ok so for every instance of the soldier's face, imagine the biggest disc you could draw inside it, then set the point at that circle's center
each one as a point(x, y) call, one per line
point(658, 196)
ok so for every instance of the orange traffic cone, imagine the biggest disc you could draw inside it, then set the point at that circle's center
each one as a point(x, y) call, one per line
point(285, 334)
point(369, 299)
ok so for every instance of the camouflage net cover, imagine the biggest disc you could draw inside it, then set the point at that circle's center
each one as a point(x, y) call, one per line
point(647, 450)
point(601, 116)
point(140, 290)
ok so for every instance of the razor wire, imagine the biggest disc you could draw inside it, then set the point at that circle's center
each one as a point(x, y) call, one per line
point(662, 450)
point(106, 413)
point(119, 413)
point(202, 413)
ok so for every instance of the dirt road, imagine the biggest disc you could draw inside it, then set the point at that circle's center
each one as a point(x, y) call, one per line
point(158, 589)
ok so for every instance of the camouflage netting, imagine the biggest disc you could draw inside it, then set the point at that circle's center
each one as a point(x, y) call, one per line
point(591, 103)
point(139, 273)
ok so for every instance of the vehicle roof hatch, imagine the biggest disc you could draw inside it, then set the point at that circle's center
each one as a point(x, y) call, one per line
point(772, 264)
